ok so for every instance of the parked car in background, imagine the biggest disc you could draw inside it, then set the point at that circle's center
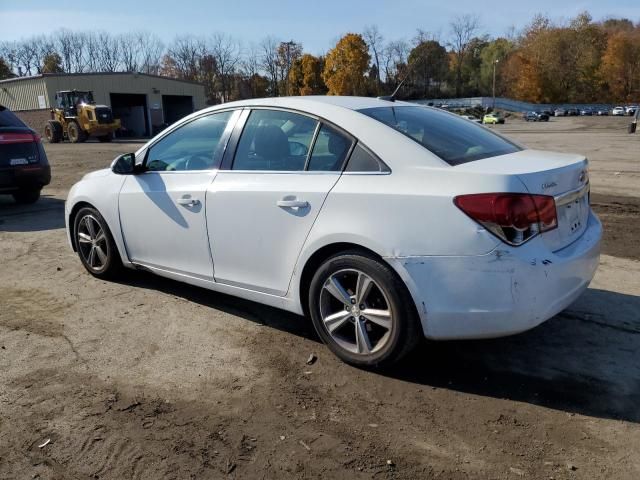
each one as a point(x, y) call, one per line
point(24, 168)
point(560, 112)
point(618, 112)
point(630, 110)
point(471, 118)
point(572, 112)
point(383, 221)
point(602, 112)
point(586, 112)
point(492, 118)
point(536, 117)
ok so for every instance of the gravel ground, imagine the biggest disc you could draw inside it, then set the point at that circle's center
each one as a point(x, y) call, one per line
point(149, 378)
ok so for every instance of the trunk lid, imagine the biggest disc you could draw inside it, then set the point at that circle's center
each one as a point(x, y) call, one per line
point(561, 175)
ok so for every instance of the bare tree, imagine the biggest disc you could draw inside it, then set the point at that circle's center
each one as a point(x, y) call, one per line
point(26, 55)
point(63, 40)
point(129, 49)
point(92, 51)
point(463, 29)
point(150, 50)
point(78, 44)
point(269, 48)
point(250, 63)
point(187, 52)
point(108, 52)
point(395, 58)
point(375, 40)
point(226, 53)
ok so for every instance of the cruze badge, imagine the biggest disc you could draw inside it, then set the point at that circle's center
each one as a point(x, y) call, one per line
point(583, 177)
point(546, 186)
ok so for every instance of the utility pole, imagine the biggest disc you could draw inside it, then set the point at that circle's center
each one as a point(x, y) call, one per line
point(288, 62)
point(494, 82)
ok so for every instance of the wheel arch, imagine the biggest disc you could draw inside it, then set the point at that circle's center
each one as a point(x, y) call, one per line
point(72, 221)
point(320, 255)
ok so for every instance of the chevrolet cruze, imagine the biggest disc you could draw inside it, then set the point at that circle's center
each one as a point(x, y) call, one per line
point(383, 221)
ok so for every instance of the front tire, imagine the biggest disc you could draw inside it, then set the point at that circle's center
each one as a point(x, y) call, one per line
point(75, 132)
point(362, 310)
point(53, 131)
point(94, 243)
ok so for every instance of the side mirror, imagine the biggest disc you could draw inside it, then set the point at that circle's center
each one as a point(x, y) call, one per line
point(125, 164)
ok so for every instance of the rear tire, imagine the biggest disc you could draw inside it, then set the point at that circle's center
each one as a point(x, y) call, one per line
point(75, 133)
point(27, 195)
point(95, 245)
point(362, 310)
point(53, 131)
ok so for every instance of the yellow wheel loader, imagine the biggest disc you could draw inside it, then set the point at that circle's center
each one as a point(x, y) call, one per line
point(77, 117)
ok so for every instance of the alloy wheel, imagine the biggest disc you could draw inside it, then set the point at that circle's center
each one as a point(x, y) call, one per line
point(355, 312)
point(92, 243)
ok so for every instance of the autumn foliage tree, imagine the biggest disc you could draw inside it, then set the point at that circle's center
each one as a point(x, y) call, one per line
point(620, 69)
point(305, 77)
point(345, 66)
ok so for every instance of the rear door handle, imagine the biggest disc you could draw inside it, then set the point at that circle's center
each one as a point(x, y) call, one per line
point(292, 203)
point(188, 201)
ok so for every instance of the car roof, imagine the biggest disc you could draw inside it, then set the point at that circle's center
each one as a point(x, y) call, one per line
point(303, 102)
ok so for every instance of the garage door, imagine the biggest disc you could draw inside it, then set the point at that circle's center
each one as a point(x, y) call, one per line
point(131, 109)
point(176, 106)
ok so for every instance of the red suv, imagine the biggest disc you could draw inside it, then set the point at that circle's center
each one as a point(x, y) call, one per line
point(24, 168)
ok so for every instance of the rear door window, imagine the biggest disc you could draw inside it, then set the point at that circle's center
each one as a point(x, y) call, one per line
point(448, 136)
point(275, 140)
point(329, 150)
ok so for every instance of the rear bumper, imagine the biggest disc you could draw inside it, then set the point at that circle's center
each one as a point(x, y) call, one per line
point(16, 178)
point(504, 292)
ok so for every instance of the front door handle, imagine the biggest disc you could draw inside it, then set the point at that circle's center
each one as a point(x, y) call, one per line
point(292, 203)
point(188, 201)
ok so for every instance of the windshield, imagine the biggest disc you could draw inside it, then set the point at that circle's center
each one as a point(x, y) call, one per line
point(81, 97)
point(451, 138)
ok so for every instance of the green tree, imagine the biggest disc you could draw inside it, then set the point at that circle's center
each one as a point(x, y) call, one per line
point(495, 53)
point(345, 66)
point(5, 70)
point(428, 62)
point(52, 63)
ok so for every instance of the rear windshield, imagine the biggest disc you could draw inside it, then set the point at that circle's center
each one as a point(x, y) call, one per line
point(8, 119)
point(453, 139)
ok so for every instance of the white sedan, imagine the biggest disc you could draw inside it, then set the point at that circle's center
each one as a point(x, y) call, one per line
point(383, 221)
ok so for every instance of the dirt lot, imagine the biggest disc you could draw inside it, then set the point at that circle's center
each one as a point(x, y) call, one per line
point(149, 378)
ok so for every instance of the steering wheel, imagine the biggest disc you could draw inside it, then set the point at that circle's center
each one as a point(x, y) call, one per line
point(198, 162)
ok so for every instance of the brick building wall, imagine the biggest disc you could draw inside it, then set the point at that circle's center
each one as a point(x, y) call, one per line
point(35, 119)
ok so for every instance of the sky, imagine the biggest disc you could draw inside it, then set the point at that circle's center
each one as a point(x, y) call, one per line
point(315, 24)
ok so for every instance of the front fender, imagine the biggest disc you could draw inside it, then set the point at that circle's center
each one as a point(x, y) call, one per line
point(101, 191)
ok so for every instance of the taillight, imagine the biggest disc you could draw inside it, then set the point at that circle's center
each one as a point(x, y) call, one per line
point(8, 138)
point(512, 217)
